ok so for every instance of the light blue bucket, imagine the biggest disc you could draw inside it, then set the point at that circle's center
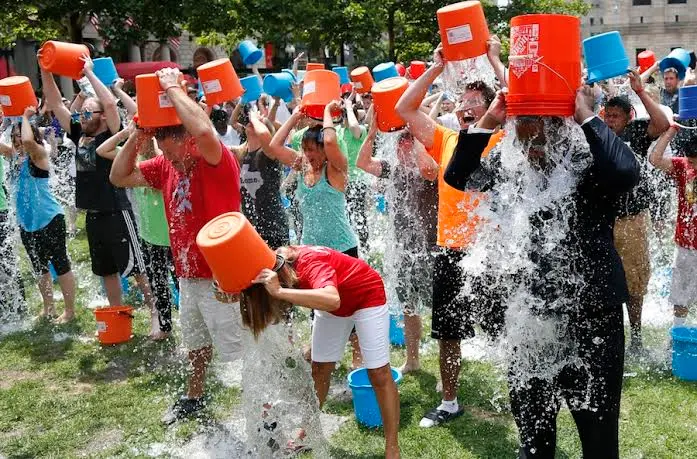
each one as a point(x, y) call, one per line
point(343, 74)
point(384, 71)
point(685, 353)
point(605, 57)
point(397, 329)
point(678, 59)
point(252, 89)
point(365, 404)
point(688, 103)
point(279, 85)
point(105, 70)
point(249, 52)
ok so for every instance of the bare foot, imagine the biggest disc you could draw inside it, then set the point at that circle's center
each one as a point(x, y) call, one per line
point(410, 367)
point(65, 318)
point(307, 354)
point(159, 336)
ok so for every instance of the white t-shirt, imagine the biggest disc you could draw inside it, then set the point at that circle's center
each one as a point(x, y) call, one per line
point(231, 137)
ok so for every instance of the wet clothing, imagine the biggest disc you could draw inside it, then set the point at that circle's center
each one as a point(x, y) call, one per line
point(36, 206)
point(260, 184)
point(686, 227)
point(351, 147)
point(152, 221)
point(640, 197)
point(670, 100)
point(159, 265)
point(595, 312)
point(47, 245)
point(114, 243)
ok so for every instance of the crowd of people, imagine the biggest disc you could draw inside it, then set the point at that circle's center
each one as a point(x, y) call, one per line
point(305, 184)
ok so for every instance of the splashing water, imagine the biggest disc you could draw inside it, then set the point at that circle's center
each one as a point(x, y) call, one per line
point(457, 74)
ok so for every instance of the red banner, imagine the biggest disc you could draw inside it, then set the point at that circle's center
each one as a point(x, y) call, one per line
point(268, 53)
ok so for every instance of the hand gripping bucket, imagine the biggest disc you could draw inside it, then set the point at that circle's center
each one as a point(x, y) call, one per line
point(688, 103)
point(105, 70)
point(63, 59)
point(544, 65)
point(219, 81)
point(678, 59)
point(416, 69)
point(234, 251)
point(314, 66)
point(249, 52)
point(362, 80)
point(320, 88)
point(279, 85)
point(386, 94)
point(685, 353)
point(463, 30)
point(16, 94)
point(343, 75)
point(645, 60)
point(114, 324)
point(605, 57)
point(154, 107)
point(384, 71)
point(365, 404)
point(252, 89)
point(401, 70)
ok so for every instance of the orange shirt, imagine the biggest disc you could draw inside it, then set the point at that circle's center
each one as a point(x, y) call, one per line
point(456, 222)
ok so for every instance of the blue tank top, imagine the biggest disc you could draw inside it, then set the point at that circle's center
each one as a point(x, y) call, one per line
point(35, 204)
point(325, 222)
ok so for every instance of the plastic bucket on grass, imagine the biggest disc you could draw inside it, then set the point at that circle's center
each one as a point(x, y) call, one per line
point(114, 324)
point(249, 52)
point(64, 59)
point(105, 70)
point(365, 404)
point(219, 81)
point(605, 57)
point(685, 353)
point(397, 329)
point(16, 94)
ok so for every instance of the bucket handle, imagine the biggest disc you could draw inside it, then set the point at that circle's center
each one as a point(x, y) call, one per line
point(539, 61)
point(125, 313)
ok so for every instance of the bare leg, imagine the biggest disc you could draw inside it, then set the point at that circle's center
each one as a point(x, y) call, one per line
point(149, 299)
point(634, 307)
point(450, 362)
point(46, 289)
point(199, 359)
point(112, 285)
point(67, 284)
point(388, 400)
point(412, 332)
point(321, 375)
point(357, 359)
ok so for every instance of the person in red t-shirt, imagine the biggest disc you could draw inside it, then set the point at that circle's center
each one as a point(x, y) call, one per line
point(345, 292)
point(199, 179)
point(683, 290)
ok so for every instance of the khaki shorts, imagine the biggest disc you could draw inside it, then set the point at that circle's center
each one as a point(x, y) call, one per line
point(683, 290)
point(631, 242)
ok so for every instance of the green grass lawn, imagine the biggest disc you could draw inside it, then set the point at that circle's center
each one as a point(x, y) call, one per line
point(62, 395)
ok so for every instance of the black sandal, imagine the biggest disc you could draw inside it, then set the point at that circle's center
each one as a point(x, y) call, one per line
point(441, 416)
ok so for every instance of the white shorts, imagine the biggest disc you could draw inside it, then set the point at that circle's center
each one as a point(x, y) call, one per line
point(330, 335)
point(683, 289)
point(205, 321)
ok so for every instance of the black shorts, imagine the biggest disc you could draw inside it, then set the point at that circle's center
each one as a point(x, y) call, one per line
point(47, 245)
point(114, 243)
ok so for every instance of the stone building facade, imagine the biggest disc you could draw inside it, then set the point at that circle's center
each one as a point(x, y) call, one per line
point(658, 25)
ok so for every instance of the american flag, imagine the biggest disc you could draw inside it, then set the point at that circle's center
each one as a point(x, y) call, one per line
point(94, 20)
point(129, 22)
point(175, 42)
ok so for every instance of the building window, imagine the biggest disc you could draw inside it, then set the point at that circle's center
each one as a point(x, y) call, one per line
point(601, 21)
point(591, 21)
point(673, 2)
point(641, 19)
point(677, 18)
point(641, 2)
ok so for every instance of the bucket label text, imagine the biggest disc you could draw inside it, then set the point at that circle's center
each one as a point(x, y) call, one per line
point(460, 34)
point(309, 88)
point(358, 85)
point(524, 49)
point(5, 100)
point(101, 326)
point(212, 86)
point(164, 100)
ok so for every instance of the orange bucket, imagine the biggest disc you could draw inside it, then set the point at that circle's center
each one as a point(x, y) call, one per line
point(63, 59)
point(16, 94)
point(154, 107)
point(416, 69)
point(646, 59)
point(314, 66)
point(320, 88)
point(114, 324)
point(463, 30)
point(234, 251)
point(362, 80)
point(544, 65)
point(219, 81)
point(386, 94)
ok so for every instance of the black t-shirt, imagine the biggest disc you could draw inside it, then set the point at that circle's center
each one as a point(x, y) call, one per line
point(93, 190)
point(636, 136)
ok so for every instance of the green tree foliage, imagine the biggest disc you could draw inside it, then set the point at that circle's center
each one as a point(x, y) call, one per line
point(21, 20)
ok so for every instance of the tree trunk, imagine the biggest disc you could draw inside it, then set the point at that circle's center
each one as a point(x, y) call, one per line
point(75, 23)
point(343, 57)
point(390, 33)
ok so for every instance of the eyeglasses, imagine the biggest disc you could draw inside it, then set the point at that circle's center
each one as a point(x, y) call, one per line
point(85, 114)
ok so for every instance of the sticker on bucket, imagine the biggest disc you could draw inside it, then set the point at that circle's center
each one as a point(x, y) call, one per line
point(212, 86)
point(5, 100)
point(101, 327)
point(524, 48)
point(358, 85)
point(309, 88)
point(164, 100)
point(459, 34)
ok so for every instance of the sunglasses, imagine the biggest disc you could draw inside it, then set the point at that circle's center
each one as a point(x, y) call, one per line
point(85, 115)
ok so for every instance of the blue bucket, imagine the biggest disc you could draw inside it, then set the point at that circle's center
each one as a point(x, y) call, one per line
point(678, 59)
point(381, 203)
point(384, 71)
point(365, 404)
point(279, 85)
point(685, 353)
point(343, 74)
point(105, 70)
point(252, 89)
point(605, 56)
point(52, 270)
point(397, 329)
point(688, 103)
point(249, 52)
point(175, 293)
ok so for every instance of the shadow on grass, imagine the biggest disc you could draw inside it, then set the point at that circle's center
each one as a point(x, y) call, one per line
point(38, 343)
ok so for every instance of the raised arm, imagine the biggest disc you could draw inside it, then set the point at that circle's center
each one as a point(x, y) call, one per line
point(194, 119)
point(353, 124)
point(365, 160)
point(277, 147)
point(336, 158)
point(295, 64)
point(130, 104)
point(111, 111)
point(76, 104)
point(494, 54)
point(656, 157)
point(659, 122)
point(650, 71)
point(53, 100)
point(420, 124)
point(323, 299)
point(107, 149)
point(37, 152)
point(428, 167)
point(124, 170)
point(435, 110)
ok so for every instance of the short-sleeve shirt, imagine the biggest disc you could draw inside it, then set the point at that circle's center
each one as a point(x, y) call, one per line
point(670, 100)
point(359, 285)
point(636, 136)
point(192, 199)
point(686, 227)
point(351, 146)
point(456, 222)
point(93, 189)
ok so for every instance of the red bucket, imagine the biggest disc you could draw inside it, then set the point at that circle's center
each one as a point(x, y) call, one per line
point(544, 65)
point(114, 324)
point(646, 59)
